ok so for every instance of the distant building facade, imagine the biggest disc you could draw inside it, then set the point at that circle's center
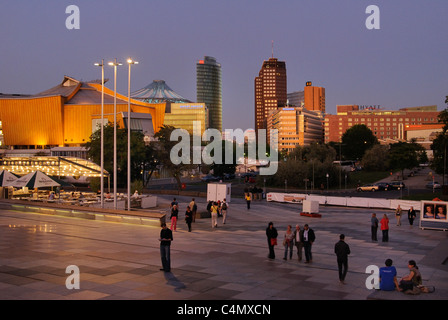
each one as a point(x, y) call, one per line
point(183, 116)
point(314, 98)
point(209, 89)
point(385, 124)
point(296, 126)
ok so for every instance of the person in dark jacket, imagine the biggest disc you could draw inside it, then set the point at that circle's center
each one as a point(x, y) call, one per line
point(342, 251)
point(307, 238)
point(271, 233)
point(166, 236)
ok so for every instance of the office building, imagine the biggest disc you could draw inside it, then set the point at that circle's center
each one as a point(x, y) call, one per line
point(270, 90)
point(296, 99)
point(296, 126)
point(183, 116)
point(209, 89)
point(314, 98)
point(385, 124)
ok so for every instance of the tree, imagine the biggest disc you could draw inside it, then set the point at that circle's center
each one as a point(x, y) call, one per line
point(440, 144)
point(356, 141)
point(376, 158)
point(162, 152)
point(138, 152)
point(404, 155)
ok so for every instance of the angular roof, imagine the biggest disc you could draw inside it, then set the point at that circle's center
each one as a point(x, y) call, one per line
point(156, 92)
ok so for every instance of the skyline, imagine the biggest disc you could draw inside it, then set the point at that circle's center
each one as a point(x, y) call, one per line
point(403, 64)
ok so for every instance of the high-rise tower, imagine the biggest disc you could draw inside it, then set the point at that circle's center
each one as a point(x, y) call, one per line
point(270, 90)
point(209, 89)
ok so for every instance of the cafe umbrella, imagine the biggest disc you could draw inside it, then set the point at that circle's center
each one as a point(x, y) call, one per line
point(36, 179)
point(6, 178)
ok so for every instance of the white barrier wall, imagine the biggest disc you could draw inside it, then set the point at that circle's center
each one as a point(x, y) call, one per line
point(377, 203)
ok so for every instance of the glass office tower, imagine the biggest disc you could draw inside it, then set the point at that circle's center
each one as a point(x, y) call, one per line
point(209, 89)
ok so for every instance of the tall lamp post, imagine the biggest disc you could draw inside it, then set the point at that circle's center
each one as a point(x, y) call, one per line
point(102, 131)
point(115, 64)
point(130, 62)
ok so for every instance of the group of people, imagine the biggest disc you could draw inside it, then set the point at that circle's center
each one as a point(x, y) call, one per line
point(190, 214)
point(411, 283)
point(384, 223)
point(302, 239)
point(217, 209)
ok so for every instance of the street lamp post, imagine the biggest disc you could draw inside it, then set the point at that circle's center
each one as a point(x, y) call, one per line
point(102, 131)
point(115, 64)
point(130, 62)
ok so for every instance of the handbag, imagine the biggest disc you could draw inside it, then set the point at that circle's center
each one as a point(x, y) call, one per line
point(273, 241)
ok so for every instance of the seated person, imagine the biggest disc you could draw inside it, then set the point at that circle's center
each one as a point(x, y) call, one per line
point(388, 277)
point(413, 279)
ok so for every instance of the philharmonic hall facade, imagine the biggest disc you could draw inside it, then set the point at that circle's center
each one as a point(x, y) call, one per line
point(67, 114)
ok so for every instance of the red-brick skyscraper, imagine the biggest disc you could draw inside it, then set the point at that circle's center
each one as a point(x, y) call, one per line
point(270, 90)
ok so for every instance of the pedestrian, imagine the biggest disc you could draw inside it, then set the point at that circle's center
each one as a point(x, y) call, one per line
point(188, 217)
point(413, 279)
point(209, 207)
point(298, 243)
point(398, 215)
point(411, 216)
point(166, 237)
point(308, 237)
point(271, 234)
point(174, 203)
point(374, 226)
point(248, 197)
point(173, 217)
point(288, 242)
point(193, 208)
point(385, 228)
point(388, 277)
point(342, 251)
point(214, 213)
point(224, 208)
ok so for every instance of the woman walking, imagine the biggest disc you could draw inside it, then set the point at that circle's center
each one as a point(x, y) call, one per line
point(288, 242)
point(271, 234)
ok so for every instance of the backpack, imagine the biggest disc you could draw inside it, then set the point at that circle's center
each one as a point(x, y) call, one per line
point(224, 206)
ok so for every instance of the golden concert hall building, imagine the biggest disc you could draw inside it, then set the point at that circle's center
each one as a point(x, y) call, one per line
point(67, 114)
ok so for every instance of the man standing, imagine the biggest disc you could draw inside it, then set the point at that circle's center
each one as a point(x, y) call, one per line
point(342, 251)
point(224, 207)
point(297, 235)
point(374, 226)
point(307, 239)
point(411, 215)
point(166, 236)
point(193, 208)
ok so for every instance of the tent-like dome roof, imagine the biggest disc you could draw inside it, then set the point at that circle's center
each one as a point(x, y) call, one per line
point(156, 92)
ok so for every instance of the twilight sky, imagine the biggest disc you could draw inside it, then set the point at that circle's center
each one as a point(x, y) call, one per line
point(404, 64)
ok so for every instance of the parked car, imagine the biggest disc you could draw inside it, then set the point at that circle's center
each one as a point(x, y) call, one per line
point(209, 178)
point(434, 185)
point(397, 185)
point(368, 187)
point(383, 186)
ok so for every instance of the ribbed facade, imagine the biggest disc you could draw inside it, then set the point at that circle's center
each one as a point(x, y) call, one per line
point(209, 89)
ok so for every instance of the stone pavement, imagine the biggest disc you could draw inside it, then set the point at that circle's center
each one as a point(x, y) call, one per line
point(122, 261)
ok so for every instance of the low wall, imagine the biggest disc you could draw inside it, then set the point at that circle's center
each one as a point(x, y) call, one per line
point(134, 217)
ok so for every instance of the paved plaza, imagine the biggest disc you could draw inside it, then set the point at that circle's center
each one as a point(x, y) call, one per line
point(122, 261)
